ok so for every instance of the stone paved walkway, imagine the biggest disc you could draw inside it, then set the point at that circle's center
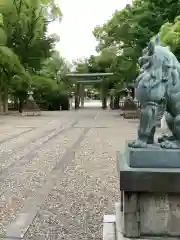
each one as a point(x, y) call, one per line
point(58, 173)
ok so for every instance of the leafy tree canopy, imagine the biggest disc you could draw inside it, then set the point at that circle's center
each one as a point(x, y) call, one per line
point(170, 35)
point(129, 30)
point(24, 42)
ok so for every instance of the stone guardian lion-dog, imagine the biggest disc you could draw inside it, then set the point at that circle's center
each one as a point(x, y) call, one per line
point(157, 88)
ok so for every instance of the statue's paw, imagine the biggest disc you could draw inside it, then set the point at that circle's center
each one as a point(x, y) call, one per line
point(170, 145)
point(138, 144)
point(163, 138)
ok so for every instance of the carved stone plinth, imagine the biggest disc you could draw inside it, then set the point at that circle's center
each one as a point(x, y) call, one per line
point(31, 108)
point(130, 109)
point(152, 157)
point(131, 114)
point(150, 197)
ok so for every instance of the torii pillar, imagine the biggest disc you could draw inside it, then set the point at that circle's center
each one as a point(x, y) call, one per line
point(77, 96)
point(82, 95)
point(104, 95)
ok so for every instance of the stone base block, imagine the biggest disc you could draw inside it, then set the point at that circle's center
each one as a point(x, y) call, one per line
point(119, 229)
point(131, 114)
point(150, 215)
point(109, 227)
point(150, 199)
point(159, 180)
point(113, 228)
point(152, 157)
point(31, 113)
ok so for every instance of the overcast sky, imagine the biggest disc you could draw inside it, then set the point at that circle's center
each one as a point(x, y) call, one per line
point(79, 19)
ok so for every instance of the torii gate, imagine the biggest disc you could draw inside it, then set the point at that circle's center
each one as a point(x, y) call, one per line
point(81, 79)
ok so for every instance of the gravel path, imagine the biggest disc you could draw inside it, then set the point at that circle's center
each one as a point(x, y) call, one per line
point(60, 176)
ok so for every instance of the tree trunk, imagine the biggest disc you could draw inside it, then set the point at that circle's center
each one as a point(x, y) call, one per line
point(15, 103)
point(111, 102)
point(21, 105)
point(104, 96)
point(77, 98)
point(1, 101)
point(104, 103)
point(5, 100)
point(116, 102)
point(82, 95)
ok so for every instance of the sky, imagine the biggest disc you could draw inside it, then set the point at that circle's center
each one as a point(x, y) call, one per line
point(79, 19)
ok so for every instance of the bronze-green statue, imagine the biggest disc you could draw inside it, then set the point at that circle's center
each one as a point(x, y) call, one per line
point(158, 90)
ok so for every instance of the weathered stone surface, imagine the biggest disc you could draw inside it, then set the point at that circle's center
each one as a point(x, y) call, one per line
point(131, 215)
point(153, 157)
point(120, 235)
point(154, 214)
point(151, 215)
point(160, 214)
point(174, 215)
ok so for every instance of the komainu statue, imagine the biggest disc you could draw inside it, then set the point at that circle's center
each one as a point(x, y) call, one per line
point(158, 90)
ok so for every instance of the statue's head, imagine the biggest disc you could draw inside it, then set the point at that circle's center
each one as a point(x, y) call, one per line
point(164, 63)
point(151, 48)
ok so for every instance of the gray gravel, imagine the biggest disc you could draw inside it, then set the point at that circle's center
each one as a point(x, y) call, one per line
point(81, 169)
point(88, 188)
point(25, 181)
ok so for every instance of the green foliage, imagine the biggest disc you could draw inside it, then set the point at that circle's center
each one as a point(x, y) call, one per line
point(10, 65)
point(25, 23)
point(129, 30)
point(51, 87)
point(48, 94)
point(81, 65)
point(28, 59)
point(55, 67)
point(170, 35)
point(24, 43)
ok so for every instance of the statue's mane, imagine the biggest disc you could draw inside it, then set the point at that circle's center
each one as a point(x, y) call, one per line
point(164, 62)
point(163, 54)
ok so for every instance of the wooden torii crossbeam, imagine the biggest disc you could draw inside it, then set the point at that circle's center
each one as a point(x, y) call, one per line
point(88, 74)
point(87, 77)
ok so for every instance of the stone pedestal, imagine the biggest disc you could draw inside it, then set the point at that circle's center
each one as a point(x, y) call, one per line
point(130, 109)
point(150, 192)
point(31, 108)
